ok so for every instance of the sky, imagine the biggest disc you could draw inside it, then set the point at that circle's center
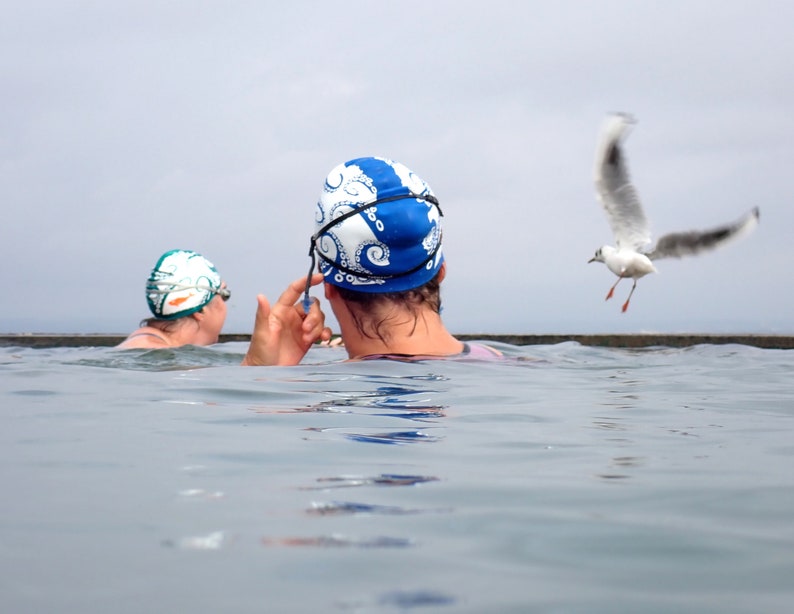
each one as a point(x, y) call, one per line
point(129, 128)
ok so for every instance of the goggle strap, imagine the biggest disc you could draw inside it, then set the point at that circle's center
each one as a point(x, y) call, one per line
point(365, 275)
point(307, 300)
point(154, 287)
point(338, 220)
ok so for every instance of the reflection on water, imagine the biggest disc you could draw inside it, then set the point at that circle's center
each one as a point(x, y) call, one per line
point(349, 507)
point(340, 541)
point(389, 438)
point(213, 541)
point(378, 480)
point(653, 481)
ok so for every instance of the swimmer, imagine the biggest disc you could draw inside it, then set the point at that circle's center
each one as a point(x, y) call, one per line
point(378, 244)
point(187, 299)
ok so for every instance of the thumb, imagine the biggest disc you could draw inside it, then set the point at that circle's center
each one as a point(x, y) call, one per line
point(262, 311)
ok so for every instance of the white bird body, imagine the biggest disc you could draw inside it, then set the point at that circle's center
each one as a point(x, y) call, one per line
point(626, 262)
point(632, 257)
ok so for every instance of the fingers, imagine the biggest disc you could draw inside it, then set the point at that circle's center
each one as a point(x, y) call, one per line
point(257, 347)
point(326, 334)
point(296, 288)
point(282, 331)
point(317, 279)
point(266, 323)
point(313, 325)
point(262, 312)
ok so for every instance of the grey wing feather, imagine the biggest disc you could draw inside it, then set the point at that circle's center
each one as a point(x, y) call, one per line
point(679, 244)
point(614, 188)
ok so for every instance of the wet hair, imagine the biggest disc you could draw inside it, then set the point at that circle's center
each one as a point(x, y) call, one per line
point(166, 326)
point(363, 306)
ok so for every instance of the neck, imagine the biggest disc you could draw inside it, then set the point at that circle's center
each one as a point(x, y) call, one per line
point(188, 332)
point(401, 332)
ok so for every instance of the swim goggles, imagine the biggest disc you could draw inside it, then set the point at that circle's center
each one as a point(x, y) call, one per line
point(224, 293)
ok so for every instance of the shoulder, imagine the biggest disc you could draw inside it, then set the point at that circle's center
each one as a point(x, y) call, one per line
point(144, 338)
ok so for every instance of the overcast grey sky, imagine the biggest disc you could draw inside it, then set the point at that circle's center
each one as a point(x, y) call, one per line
point(132, 127)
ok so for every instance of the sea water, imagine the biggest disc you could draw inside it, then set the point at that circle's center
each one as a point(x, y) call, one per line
point(563, 479)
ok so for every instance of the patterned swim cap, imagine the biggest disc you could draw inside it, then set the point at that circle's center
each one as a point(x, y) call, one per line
point(378, 228)
point(181, 283)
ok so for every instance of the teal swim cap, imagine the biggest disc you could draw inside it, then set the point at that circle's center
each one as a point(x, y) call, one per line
point(182, 282)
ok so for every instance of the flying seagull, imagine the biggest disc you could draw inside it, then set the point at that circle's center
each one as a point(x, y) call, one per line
point(633, 257)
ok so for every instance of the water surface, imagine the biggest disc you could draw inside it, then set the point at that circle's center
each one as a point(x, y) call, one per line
point(565, 479)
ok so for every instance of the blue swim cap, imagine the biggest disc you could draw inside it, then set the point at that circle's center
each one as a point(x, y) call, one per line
point(378, 228)
point(182, 282)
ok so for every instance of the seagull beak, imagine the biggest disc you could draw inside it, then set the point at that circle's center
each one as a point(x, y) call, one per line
point(591, 260)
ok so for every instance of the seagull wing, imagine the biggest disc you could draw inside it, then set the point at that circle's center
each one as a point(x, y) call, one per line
point(678, 244)
point(614, 188)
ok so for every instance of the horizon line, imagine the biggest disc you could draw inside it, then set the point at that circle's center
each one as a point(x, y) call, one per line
point(616, 340)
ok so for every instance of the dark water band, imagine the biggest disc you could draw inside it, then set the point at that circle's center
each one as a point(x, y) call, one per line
point(676, 340)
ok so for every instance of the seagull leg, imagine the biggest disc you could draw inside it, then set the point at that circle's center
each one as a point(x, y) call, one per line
point(626, 304)
point(612, 289)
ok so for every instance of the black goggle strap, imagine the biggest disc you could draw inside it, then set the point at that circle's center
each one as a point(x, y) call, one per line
point(307, 300)
point(345, 269)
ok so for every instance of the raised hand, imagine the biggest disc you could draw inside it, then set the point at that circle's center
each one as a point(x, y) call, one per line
point(283, 333)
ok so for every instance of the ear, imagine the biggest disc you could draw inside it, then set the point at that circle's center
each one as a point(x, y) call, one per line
point(330, 291)
point(198, 315)
point(442, 271)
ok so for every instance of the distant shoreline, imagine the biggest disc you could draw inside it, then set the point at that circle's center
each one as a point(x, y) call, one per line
point(629, 340)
